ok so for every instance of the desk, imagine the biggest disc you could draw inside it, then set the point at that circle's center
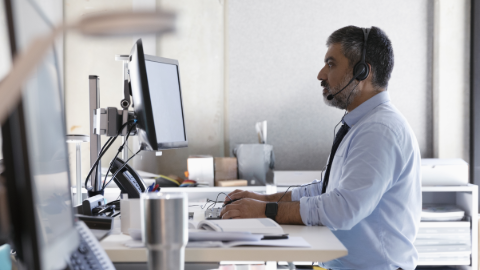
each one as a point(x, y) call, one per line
point(324, 247)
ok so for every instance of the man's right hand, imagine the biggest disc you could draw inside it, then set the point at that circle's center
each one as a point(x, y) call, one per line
point(240, 194)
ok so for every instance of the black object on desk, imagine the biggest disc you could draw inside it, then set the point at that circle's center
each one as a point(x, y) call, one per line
point(275, 236)
point(100, 226)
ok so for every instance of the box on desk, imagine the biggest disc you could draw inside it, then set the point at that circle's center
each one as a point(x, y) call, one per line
point(200, 169)
point(232, 183)
point(225, 169)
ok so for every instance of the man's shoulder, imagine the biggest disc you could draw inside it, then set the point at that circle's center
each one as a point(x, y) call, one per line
point(386, 116)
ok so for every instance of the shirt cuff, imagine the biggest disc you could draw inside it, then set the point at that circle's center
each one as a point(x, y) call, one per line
point(295, 194)
point(307, 205)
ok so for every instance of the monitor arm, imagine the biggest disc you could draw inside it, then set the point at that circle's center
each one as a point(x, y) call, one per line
point(108, 121)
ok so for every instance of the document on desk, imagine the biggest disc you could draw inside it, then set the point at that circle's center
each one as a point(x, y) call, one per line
point(202, 235)
point(251, 225)
point(291, 242)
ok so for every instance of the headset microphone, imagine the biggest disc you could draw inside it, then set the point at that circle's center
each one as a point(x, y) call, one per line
point(330, 97)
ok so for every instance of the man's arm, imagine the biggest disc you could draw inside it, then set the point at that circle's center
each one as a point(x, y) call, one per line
point(308, 190)
point(288, 212)
point(240, 194)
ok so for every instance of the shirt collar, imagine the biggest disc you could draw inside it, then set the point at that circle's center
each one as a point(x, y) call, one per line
point(354, 116)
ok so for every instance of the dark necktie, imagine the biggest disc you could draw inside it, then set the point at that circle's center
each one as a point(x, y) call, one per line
point(338, 139)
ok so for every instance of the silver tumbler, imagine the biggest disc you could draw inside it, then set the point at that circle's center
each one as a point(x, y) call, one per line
point(165, 229)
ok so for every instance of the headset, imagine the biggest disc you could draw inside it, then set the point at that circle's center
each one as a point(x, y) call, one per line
point(361, 69)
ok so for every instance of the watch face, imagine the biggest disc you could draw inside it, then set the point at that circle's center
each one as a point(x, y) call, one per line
point(271, 209)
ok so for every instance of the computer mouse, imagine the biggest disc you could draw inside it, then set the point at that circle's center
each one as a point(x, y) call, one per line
point(229, 202)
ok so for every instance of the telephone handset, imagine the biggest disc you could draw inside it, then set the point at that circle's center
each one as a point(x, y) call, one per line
point(128, 179)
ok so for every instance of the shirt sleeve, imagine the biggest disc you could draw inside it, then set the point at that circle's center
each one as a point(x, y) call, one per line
point(370, 163)
point(307, 190)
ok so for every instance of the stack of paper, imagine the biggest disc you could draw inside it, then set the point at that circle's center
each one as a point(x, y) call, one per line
point(444, 243)
point(441, 212)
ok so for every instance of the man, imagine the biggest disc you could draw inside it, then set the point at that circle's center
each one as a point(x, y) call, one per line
point(370, 197)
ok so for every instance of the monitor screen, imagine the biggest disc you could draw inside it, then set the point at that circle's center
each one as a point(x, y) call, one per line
point(164, 85)
point(48, 156)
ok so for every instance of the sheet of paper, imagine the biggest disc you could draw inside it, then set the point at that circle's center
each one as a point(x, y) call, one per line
point(291, 242)
point(201, 235)
point(253, 225)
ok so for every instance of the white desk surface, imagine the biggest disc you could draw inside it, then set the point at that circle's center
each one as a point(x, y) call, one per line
point(324, 247)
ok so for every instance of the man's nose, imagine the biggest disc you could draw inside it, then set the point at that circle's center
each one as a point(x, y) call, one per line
point(321, 75)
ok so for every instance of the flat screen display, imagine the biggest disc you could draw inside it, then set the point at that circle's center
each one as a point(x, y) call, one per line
point(166, 101)
point(48, 152)
point(45, 129)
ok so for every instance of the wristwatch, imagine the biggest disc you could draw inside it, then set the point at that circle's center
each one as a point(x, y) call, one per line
point(271, 210)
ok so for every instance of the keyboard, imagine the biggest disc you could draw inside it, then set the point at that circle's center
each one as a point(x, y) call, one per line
point(89, 255)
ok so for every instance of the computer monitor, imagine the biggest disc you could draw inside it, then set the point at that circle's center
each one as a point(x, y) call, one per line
point(157, 100)
point(36, 158)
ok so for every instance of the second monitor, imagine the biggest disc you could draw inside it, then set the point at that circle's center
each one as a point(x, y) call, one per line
point(157, 100)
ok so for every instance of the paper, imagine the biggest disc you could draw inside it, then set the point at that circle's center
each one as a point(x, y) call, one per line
point(292, 242)
point(201, 235)
point(252, 225)
point(261, 128)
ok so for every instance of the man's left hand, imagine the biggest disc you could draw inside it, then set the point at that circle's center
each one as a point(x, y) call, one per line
point(244, 208)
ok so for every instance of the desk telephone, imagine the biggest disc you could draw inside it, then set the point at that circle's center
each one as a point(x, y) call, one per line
point(128, 179)
point(89, 254)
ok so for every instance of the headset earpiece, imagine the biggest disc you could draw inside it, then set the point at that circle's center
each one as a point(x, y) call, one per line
point(361, 68)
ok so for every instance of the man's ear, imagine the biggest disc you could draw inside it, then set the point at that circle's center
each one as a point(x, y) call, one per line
point(370, 73)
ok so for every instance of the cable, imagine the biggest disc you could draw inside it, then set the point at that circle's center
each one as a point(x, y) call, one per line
point(95, 165)
point(104, 149)
point(123, 166)
point(118, 152)
point(216, 200)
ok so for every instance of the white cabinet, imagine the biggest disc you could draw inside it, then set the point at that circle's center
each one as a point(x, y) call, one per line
point(466, 197)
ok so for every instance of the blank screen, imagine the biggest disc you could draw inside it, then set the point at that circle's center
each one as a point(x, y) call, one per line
point(164, 86)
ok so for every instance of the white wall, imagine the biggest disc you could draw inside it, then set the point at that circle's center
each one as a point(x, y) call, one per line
point(275, 50)
point(246, 61)
point(197, 44)
point(451, 81)
point(91, 56)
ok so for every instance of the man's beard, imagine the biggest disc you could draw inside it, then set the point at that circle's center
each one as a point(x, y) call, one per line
point(344, 98)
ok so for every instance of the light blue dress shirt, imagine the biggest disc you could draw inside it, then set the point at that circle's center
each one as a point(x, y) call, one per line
point(373, 200)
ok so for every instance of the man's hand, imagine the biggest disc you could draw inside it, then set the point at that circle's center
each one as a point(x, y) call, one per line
point(240, 194)
point(244, 208)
